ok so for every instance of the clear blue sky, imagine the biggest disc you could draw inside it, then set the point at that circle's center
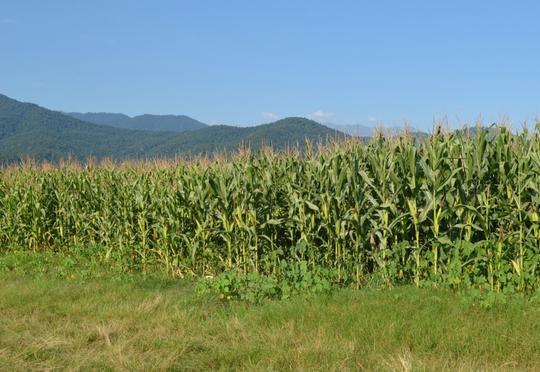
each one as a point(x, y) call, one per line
point(244, 62)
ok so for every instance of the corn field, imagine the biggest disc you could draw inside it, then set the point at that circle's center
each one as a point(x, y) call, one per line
point(457, 210)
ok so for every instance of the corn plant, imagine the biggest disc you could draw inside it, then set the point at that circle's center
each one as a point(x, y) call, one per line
point(457, 209)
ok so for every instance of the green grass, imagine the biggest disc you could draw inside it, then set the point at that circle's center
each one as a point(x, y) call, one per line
point(62, 312)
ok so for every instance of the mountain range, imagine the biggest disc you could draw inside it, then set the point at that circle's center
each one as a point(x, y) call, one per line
point(28, 131)
point(157, 123)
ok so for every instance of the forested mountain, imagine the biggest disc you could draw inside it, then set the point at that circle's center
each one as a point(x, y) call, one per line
point(158, 123)
point(30, 131)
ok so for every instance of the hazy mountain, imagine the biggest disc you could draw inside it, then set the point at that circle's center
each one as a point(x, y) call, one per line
point(359, 130)
point(30, 131)
point(356, 130)
point(158, 123)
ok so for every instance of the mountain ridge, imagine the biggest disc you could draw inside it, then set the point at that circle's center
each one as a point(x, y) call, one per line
point(31, 131)
point(151, 122)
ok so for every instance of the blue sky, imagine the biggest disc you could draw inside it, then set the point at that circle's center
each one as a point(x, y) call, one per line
point(248, 62)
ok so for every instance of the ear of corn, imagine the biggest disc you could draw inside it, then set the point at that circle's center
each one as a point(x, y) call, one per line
point(455, 210)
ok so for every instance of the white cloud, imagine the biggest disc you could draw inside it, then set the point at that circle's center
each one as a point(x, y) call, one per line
point(319, 114)
point(372, 119)
point(270, 115)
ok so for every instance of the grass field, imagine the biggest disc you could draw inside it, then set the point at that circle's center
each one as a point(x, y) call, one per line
point(63, 313)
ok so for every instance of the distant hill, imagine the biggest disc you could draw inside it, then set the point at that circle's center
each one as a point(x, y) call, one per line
point(352, 129)
point(359, 130)
point(30, 131)
point(286, 132)
point(158, 123)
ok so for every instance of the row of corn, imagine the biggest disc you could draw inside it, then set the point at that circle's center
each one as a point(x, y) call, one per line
point(456, 209)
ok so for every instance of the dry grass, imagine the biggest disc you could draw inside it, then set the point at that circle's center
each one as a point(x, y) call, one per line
point(158, 325)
